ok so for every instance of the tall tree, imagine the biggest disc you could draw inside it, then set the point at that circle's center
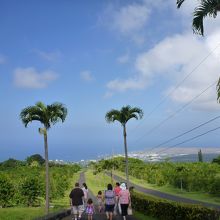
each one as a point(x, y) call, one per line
point(47, 115)
point(200, 156)
point(205, 8)
point(123, 116)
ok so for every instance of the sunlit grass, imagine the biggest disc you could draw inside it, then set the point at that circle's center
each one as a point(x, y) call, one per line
point(97, 182)
point(21, 213)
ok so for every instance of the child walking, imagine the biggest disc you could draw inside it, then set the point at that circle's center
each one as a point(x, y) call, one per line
point(100, 200)
point(90, 209)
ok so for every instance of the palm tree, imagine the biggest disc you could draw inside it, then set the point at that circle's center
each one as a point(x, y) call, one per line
point(48, 115)
point(123, 116)
point(205, 8)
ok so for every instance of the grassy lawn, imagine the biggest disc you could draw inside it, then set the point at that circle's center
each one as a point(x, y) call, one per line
point(29, 213)
point(20, 213)
point(200, 196)
point(99, 182)
point(141, 216)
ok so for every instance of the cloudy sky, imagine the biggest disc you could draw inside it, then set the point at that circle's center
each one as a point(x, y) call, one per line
point(97, 55)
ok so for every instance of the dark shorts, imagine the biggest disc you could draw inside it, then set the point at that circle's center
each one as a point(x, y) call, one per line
point(109, 208)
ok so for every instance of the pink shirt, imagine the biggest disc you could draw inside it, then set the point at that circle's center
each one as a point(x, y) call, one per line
point(124, 196)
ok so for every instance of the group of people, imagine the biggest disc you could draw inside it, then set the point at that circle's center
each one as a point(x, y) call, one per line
point(113, 201)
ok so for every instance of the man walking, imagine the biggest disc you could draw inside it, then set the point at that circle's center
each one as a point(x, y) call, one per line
point(76, 202)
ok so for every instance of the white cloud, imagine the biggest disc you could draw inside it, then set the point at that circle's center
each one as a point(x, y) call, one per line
point(30, 78)
point(2, 59)
point(131, 18)
point(174, 58)
point(128, 20)
point(49, 56)
point(86, 76)
point(123, 85)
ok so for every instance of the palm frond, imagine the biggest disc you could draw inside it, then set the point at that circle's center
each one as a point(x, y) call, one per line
point(44, 114)
point(179, 3)
point(206, 8)
point(218, 91)
point(113, 115)
point(124, 115)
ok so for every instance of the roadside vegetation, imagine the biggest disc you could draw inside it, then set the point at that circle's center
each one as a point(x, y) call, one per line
point(182, 178)
point(22, 187)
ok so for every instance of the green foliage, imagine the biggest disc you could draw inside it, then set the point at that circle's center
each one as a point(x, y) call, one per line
point(11, 163)
point(216, 160)
point(6, 191)
point(25, 185)
point(30, 191)
point(188, 176)
point(165, 210)
point(200, 157)
point(35, 157)
point(124, 115)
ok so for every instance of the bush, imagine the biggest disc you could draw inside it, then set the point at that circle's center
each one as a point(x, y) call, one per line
point(166, 210)
point(30, 190)
point(6, 191)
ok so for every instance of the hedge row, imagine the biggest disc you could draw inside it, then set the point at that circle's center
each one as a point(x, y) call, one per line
point(166, 210)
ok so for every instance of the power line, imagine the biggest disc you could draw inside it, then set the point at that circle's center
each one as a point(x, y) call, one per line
point(175, 88)
point(186, 132)
point(190, 139)
point(176, 112)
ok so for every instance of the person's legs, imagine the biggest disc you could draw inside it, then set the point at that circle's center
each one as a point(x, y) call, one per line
point(81, 209)
point(107, 214)
point(75, 212)
point(110, 215)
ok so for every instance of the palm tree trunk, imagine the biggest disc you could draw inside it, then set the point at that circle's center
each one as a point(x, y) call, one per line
point(47, 171)
point(126, 155)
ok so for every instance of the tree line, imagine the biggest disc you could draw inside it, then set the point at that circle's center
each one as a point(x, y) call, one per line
point(22, 182)
point(196, 176)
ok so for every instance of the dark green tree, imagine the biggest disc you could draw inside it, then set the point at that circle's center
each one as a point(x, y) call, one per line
point(205, 8)
point(200, 157)
point(123, 116)
point(35, 157)
point(47, 115)
point(11, 163)
point(216, 160)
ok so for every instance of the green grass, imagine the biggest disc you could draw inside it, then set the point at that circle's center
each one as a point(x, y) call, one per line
point(199, 196)
point(141, 216)
point(99, 182)
point(29, 213)
point(20, 213)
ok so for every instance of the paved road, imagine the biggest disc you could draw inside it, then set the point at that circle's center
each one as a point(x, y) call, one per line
point(96, 216)
point(168, 196)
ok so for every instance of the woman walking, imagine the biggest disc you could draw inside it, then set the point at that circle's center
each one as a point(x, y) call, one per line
point(124, 199)
point(109, 197)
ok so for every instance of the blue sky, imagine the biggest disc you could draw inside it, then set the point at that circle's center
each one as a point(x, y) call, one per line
point(97, 55)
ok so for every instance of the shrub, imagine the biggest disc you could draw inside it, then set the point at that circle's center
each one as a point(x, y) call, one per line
point(6, 191)
point(166, 210)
